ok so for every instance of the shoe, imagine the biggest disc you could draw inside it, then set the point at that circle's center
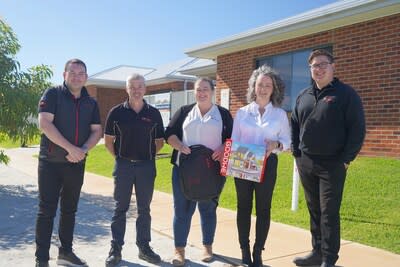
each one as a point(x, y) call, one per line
point(146, 253)
point(257, 259)
point(325, 264)
point(311, 259)
point(246, 257)
point(69, 259)
point(207, 253)
point(179, 257)
point(39, 263)
point(114, 256)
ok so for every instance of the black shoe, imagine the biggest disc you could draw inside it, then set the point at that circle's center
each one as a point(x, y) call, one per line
point(325, 264)
point(311, 259)
point(40, 263)
point(69, 259)
point(114, 256)
point(257, 259)
point(147, 254)
point(246, 257)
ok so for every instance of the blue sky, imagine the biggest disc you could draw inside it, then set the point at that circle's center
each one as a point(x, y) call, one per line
point(142, 33)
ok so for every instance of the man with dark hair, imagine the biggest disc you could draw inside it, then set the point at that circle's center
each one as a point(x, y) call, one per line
point(328, 130)
point(134, 133)
point(70, 123)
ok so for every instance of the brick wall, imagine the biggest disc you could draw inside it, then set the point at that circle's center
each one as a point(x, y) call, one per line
point(106, 99)
point(368, 58)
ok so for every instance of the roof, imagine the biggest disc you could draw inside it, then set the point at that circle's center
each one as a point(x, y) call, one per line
point(335, 15)
point(116, 77)
point(200, 67)
point(169, 72)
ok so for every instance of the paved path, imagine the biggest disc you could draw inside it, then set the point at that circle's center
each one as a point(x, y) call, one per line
point(18, 207)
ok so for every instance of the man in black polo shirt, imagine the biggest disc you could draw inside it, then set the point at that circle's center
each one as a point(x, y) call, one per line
point(133, 135)
point(70, 121)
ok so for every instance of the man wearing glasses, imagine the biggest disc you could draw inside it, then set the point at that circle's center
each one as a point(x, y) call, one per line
point(70, 123)
point(328, 130)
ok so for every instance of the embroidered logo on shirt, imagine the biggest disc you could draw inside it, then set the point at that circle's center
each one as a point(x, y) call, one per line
point(329, 99)
point(146, 119)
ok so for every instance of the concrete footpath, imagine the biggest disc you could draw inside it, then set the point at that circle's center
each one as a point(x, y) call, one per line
point(18, 208)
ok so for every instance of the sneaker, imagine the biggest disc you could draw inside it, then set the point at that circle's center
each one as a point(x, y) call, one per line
point(40, 263)
point(114, 256)
point(207, 253)
point(69, 259)
point(146, 253)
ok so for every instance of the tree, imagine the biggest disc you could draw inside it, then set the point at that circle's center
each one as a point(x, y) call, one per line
point(19, 91)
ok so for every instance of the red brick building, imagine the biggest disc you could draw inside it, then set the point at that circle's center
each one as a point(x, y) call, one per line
point(363, 35)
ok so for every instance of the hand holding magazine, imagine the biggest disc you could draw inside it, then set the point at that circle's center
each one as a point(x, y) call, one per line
point(245, 161)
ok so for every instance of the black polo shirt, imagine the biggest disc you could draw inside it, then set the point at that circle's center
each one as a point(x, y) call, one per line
point(134, 132)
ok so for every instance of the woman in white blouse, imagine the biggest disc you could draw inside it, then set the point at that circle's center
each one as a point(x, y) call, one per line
point(260, 122)
point(202, 123)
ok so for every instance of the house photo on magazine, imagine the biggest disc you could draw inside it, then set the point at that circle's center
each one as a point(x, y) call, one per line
point(245, 161)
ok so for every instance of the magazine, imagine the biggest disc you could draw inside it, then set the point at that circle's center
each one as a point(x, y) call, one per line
point(245, 161)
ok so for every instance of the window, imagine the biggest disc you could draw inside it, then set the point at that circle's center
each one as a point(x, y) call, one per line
point(293, 69)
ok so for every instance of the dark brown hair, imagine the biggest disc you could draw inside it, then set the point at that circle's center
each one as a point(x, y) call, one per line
point(204, 79)
point(75, 61)
point(320, 52)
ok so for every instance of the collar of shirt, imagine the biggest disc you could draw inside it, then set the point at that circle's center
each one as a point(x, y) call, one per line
point(254, 108)
point(127, 106)
point(209, 115)
point(84, 92)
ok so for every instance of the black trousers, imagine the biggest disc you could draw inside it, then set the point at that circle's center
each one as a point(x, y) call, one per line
point(57, 181)
point(323, 182)
point(263, 192)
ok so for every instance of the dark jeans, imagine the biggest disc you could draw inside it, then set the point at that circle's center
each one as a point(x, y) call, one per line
point(57, 181)
point(323, 182)
point(263, 193)
point(126, 174)
point(183, 213)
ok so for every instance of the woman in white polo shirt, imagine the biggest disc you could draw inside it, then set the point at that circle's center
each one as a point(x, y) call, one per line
point(200, 123)
point(260, 122)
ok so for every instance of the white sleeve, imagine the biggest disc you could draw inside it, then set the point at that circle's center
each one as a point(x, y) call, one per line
point(236, 127)
point(284, 133)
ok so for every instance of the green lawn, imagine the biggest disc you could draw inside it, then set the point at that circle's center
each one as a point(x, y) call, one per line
point(6, 142)
point(371, 205)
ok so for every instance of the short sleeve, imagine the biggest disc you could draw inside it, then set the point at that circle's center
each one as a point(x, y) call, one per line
point(109, 125)
point(96, 114)
point(48, 101)
point(160, 126)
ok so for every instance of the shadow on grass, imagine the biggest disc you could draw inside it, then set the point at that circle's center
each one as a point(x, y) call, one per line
point(359, 219)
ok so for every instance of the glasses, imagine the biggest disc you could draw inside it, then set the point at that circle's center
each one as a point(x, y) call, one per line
point(322, 65)
point(79, 74)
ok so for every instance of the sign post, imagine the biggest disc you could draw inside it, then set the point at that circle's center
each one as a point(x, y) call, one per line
point(295, 187)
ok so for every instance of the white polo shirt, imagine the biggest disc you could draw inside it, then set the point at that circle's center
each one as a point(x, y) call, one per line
point(251, 128)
